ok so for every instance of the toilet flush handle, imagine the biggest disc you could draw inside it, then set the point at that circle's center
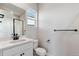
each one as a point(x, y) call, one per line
point(48, 40)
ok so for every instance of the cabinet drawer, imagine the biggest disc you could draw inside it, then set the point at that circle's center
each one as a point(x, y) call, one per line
point(11, 51)
point(0, 52)
point(27, 52)
point(17, 49)
point(26, 46)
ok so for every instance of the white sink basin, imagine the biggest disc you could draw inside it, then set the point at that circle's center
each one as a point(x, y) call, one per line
point(17, 41)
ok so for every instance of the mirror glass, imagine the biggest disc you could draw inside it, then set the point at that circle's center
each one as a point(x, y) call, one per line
point(18, 27)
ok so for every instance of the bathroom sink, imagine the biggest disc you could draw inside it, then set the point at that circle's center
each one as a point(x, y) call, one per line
point(17, 41)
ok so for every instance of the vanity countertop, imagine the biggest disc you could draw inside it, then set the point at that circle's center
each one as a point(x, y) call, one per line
point(9, 43)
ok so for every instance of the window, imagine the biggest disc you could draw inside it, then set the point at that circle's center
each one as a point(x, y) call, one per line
point(31, 17)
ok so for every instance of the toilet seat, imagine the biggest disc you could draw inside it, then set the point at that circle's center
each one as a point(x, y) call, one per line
point(40, 51)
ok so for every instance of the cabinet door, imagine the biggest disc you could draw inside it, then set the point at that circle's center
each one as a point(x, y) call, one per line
point(18, 54)
point(24, 49)
point(0, 52)
point(11, 51)
point(28, 52)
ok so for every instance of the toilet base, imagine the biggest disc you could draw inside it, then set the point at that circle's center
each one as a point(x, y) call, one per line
point(34, 53)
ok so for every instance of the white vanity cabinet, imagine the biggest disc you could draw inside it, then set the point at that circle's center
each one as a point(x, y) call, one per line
point(25, 49)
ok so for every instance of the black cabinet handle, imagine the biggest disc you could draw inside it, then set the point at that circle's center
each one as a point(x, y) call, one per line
point(20, 54)
point(48, 40)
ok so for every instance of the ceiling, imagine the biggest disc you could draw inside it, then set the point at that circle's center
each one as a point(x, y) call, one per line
point(12, 8)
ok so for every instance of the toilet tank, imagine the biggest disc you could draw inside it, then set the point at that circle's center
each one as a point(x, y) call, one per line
point(35, 44)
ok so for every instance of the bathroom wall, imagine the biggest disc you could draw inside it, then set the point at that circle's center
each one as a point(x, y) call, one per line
point(21, 5)
point(25, 6)
point(6, 28)
point(59, 16)
point(29, 31)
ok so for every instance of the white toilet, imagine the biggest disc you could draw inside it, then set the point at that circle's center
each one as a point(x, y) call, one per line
point(38, 50)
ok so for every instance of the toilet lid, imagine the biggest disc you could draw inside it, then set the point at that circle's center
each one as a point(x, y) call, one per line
point(40, 51)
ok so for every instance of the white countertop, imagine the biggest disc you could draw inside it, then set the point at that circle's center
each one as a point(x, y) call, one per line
point(6, 44)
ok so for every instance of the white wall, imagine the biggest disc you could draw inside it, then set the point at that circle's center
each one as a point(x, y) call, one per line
point(21, 5)
point(6, 27)
point(59, 16)
point(29, 31)
point(25, 6)
point(8, 20)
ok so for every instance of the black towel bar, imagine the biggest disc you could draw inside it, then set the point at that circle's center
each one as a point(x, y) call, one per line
point(66, 30)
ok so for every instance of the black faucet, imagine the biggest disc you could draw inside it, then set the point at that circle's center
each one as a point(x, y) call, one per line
point(15, 36)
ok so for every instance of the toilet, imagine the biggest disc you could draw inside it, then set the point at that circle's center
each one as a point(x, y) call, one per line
point(38, 51)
